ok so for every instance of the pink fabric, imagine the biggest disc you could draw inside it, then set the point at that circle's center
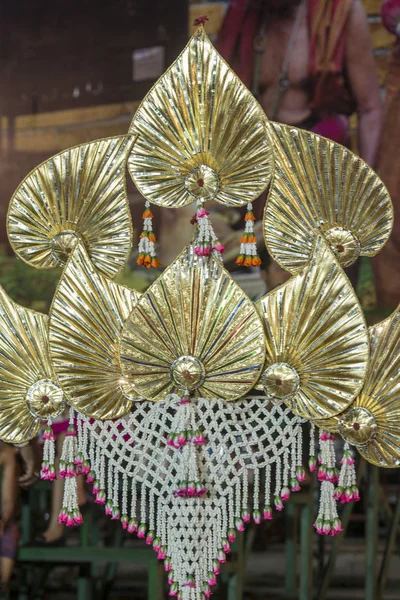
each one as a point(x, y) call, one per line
point(60, 427)
point(240, 25)
point(390, 13)
point(334, 129)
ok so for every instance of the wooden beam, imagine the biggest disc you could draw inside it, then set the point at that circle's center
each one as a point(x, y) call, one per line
point(372, 7)
point(380, 36)
point(75, 116)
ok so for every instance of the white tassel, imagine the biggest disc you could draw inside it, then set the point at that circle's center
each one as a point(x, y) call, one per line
point(69, 514)
point(48, 470)
point(186, 439)
point(328, 522)
point(206, 240)
point(147, 243)
point(248, 255)
point(347, 490)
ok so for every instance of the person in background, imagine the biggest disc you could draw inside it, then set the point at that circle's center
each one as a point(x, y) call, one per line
point(310, 64)
point(9, 532)
point(387, 263)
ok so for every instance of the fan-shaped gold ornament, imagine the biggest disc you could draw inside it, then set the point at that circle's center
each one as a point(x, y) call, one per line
point(201, 134)
point(321, 187)
point(86, 318)
point(373, 421)
point(193, 329)
point(28, 388)
point(316, 339)
point(79, 194)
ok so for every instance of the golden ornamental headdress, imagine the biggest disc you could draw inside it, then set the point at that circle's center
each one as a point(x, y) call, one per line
point(188, 402)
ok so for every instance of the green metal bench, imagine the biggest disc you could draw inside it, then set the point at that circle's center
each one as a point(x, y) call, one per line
point(37, 562)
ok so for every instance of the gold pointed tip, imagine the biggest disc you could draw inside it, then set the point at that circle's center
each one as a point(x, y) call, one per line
point(200, 21)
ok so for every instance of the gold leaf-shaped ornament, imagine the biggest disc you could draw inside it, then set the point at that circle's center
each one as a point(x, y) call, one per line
point(316, 339)
point(372, 423)
point(86, 318)
point(200, 134)
point(319, 187)
point(194, 329)
point(77, 195)
point(29, 391)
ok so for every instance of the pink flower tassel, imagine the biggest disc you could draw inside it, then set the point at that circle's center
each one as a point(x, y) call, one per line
point(246, 515)
point(167, 564)
point(278, 503)
point(100, 497)
point(189, 582)
point(91, 476)
point(206, 240)
point(239, 524)
point(124, 521)
point(132, 525)
point(257, 516)
point(108, 508)
point(216, 567)
point(156, 544)
point(294, 485)
point(48, 471)
point(267, 513)
point(115, 514)
point(347, 490)
point(300, 474)
point(150, 537)
point(173, 590)
point(327, 522)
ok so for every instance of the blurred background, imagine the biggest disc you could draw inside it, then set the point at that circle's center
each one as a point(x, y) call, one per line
point(75, 71)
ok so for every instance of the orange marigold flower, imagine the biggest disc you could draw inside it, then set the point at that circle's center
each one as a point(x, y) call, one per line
point(152, 237)
point(147, 260)
point(248, 261)
point(140, 259)
point(256, 262)
point(147, 214)
point(240, 259)
point(249, 216)
point(155, 262)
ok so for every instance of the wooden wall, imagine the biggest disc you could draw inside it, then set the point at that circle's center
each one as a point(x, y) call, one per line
point(66, 70)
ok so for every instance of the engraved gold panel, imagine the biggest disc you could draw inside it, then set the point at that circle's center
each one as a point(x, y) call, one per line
point(194, 325)
point(321, 187)
point(315, 325)
point(86, 318)
point(24, 364)
point(201, 134)
point(380, 398)
point(79, 194)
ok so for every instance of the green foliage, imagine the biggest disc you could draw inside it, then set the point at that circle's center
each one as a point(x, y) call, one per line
point(35, 288)
point(135, 280)
point(30, 287)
